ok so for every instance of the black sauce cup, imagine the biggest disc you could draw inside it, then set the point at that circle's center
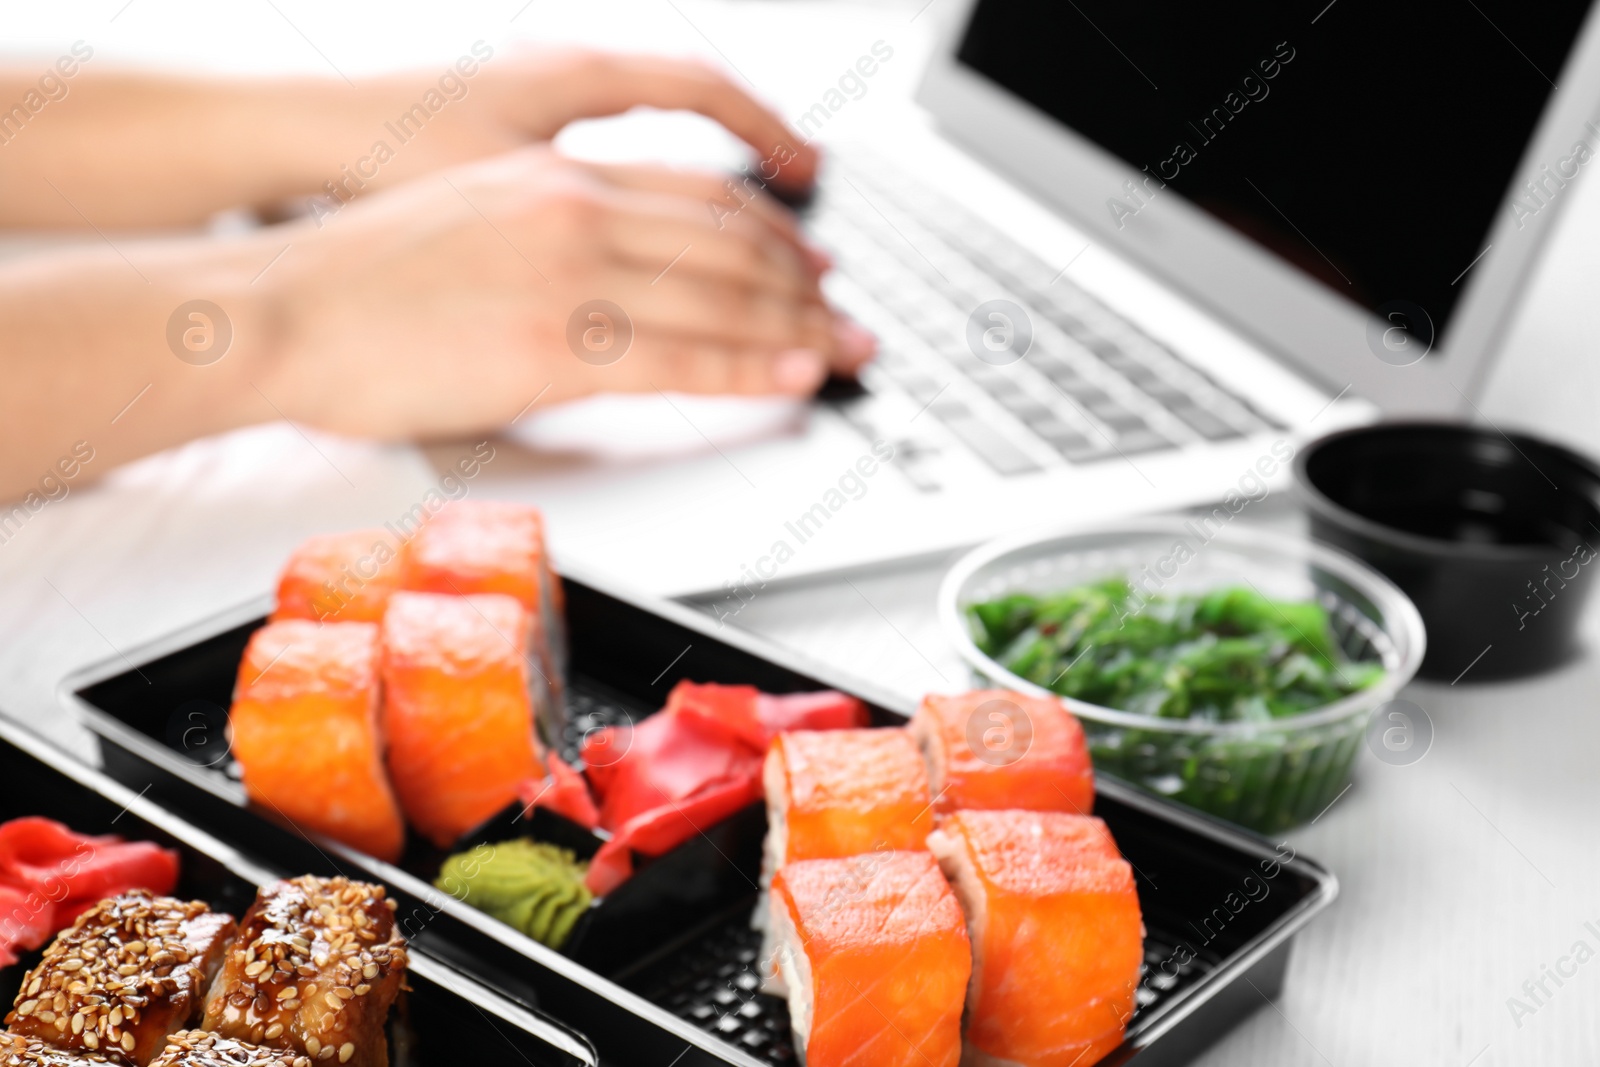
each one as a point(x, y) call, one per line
point(1495, 538)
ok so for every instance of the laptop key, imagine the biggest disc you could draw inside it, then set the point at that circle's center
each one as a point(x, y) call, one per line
point(1139, 374)
point(1028, 409)
point(921, 387)
point(1062, 373)
point(1139, 441)
point(1093, 451)
point(1063, 438)
point(1086, 394)
point(1002, 387)
point(1170, 396)
point(1121, 420)
point(1205, 423)
point(984, 440)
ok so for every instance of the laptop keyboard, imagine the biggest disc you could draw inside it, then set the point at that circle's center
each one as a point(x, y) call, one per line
point(1091, 386)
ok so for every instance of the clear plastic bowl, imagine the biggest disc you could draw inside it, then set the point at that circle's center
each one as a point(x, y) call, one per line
point(1268, 776)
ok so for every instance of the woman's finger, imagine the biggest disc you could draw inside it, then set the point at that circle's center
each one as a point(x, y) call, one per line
point(724, 197)
point(728, 312)
point(669, 234)
point(602, 84)
point(674, 362)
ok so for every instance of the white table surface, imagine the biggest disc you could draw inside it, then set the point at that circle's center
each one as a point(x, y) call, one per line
point(1462, 875)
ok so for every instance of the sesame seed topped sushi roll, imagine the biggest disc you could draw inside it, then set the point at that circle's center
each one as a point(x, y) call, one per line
point(314, 970)
point(197, 1048)
point(19, 1051)
point(132, 970)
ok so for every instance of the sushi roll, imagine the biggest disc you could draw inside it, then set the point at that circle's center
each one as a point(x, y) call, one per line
point(314, 970)
point(340, 577)
point(833, 793)
point(305, 730)
point(836, 793)
point(495, 546)
point(993, 749)
point(196, 1048)
point(875, 959)
point(1057, 937)
point(456, 710)
point(132, 970)
point(19, 1051)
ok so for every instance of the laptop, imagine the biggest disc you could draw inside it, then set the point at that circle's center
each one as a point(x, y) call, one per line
point(1125, 260)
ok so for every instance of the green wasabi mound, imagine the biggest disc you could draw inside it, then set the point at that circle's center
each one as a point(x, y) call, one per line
point(532, 886)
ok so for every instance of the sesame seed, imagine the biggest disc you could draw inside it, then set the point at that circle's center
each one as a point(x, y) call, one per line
point(346, 1050)
point(313, 1046)
point(274, 1031)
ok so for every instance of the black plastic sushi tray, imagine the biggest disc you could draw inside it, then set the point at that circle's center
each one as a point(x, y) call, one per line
point(661, 971)
point(444, 1017)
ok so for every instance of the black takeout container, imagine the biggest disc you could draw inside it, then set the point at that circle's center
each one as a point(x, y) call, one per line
point(661, 970)
point(1494, 537)
point(443, 1017)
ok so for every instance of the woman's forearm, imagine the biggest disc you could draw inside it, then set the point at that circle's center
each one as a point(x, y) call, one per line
point(105, 356)
point(117, 150)
point(103, 150)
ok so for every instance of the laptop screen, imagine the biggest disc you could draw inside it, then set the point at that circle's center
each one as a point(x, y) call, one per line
point(1371, 143)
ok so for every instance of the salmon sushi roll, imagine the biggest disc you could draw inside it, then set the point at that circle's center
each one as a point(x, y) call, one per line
point(305, 729)
point(456, 709)
point(992, 749)
point(875, 960)
point(340, 577)
point(837, 793)
point(833, 793)
point(1057, 937)
point(495, 546)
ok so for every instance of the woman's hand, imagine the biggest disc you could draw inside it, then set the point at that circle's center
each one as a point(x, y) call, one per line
point(140, 150)
point(447, 305)
point(524, 96)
